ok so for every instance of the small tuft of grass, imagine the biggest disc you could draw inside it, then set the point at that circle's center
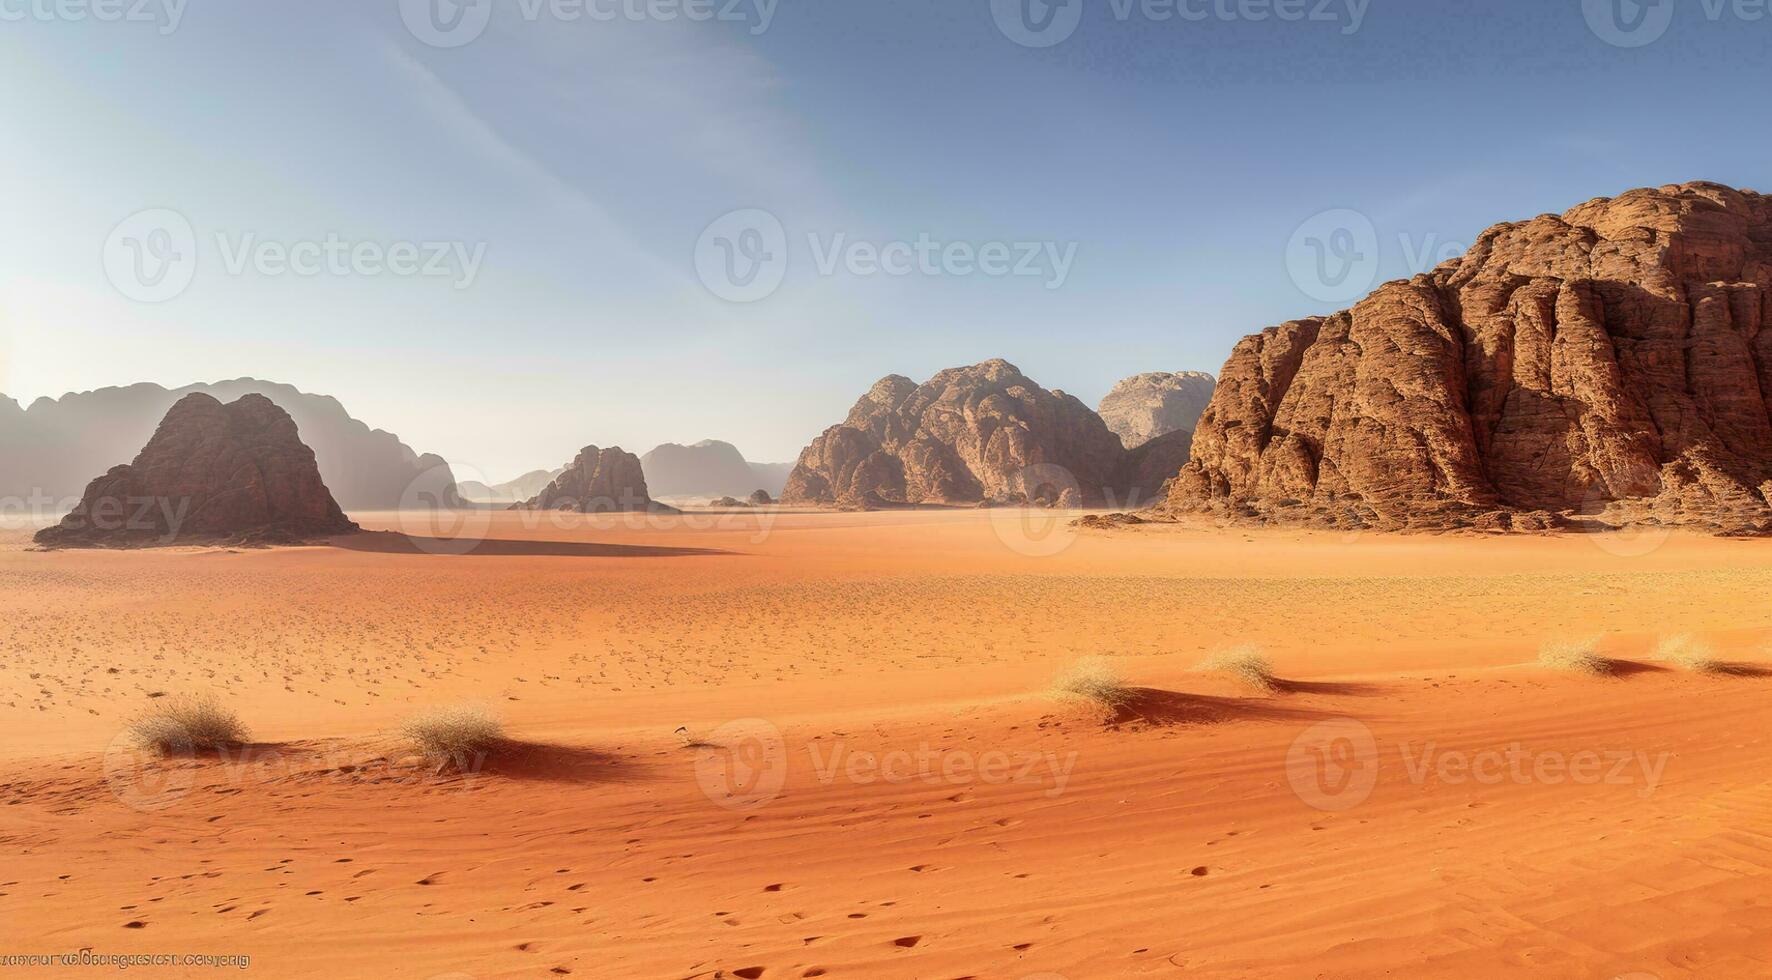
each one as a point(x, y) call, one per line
point(1687, 652)
point(186, 723)
point(455, 735)
point(1576, 656)
point(1094, 679)
point(1246, 664)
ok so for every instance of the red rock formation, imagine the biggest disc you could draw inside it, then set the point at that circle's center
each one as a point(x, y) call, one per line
point(599, 481)
point(211, 472)
point(966, 436)
point(1149, 406)
point(1615, 359)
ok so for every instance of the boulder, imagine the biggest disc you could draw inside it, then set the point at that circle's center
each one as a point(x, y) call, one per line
point(211, 473)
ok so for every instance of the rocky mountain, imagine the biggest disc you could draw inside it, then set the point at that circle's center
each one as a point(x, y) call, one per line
point(211, 472)
point(1146, 406)
point(599, 481)
point(510, 492)
point(1614, 361)
point(968, 435)
point(52, 448)
point(709, 468)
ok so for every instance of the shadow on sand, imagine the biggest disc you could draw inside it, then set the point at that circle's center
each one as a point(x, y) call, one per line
point(1615, 667)
point(1742, 670)
point(1154, 707)
point(545, 763)
point(1349, 689)
point(395, 543)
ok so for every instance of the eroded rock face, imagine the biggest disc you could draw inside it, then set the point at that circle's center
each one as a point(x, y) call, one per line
point(966, 436)
point(211, 472)
point(1615, 361)
point(1146, 406)
point(598, 481)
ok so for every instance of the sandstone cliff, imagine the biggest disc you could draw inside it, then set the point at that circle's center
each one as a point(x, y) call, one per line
point(968, 435)
point(598, 481)
point(211, 472)
point(1146, 406)
point(1614, 361)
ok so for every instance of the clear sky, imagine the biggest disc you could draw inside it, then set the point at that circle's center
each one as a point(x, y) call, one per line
point(1172, 155)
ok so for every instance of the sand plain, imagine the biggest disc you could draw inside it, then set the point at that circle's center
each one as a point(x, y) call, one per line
point(787, 744)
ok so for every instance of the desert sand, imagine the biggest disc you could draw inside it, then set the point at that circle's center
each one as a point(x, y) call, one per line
point(776, 744)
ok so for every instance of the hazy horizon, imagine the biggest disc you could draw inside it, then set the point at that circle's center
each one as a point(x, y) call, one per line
point(575, 181)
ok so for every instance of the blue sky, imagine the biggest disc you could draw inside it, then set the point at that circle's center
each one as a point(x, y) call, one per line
point(1175, 160)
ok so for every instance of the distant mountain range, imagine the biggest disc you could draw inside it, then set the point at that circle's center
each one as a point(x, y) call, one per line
point(54, 448)
point(709, 468)
point(511, 491)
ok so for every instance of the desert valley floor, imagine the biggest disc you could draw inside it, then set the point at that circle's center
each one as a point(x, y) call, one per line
point(786, 745)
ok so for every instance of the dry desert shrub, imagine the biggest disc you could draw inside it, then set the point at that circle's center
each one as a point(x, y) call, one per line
point(1576, 656)
point(1687, 652)
point(185, 723)
point(1093, 679)
point(454, 735)
point(1245, 663)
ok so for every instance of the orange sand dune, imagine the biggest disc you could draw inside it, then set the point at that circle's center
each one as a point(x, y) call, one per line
point(872, 778)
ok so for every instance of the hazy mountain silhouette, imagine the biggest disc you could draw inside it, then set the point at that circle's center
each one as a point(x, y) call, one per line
point(51, 450)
